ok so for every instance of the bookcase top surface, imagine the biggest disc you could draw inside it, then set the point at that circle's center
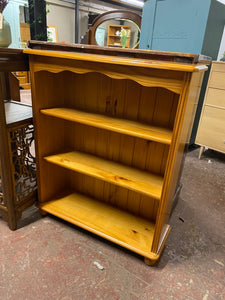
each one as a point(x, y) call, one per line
point(132, 57)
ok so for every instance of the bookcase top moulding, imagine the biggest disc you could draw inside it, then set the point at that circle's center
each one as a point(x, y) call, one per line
point(131, 57)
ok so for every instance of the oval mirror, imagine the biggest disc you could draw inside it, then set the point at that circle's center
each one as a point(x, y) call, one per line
point(121, 33)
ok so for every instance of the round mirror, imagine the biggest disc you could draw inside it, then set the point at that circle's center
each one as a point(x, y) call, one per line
point(121, 33)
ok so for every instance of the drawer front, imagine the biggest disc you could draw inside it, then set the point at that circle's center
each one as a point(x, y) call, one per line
point(211, 130)
point(217, 80)
point(215, 97)
point(220, 67)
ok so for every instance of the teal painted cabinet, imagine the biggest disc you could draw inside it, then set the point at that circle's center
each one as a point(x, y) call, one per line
point(193, 26)
point(12, 15)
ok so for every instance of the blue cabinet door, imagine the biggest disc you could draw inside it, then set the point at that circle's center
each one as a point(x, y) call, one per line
point(12, 15)
point(174, 25)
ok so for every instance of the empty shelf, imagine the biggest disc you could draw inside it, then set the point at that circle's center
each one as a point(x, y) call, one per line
point(124, 176)
point(136, 129)
point(123, 228)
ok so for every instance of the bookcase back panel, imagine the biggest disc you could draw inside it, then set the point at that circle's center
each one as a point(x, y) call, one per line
point(126, 99)
point(53, 182)
point(49, 90)
point(97, 93)
point(133, 202)
point(128, 150)
point(57, 182)
point(51, 134)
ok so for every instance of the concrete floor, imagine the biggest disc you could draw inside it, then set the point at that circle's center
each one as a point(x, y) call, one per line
point(47, 258)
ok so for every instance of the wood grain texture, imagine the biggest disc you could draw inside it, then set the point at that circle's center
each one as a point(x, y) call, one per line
point(149, 77)
point(215, 97)
point(218, 66)
point(182, 131)
point(115, 225)
point(130, 53)
point(217, 80)
point(146, 63)
point(132, 179)
point(127, 127)
point(211, 132)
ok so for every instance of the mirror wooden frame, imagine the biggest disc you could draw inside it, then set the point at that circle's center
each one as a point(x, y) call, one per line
point(115, 14)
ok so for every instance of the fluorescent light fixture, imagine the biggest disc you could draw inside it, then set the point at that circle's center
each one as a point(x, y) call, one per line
point(139, 3)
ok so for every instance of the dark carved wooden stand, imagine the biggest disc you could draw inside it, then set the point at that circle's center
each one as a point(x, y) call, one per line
point(17, 164)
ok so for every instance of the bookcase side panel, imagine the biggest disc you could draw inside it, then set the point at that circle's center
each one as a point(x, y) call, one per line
point(49, 133)
point(184, 137)
point(184, 120)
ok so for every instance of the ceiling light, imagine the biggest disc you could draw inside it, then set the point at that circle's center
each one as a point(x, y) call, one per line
point(139, 3)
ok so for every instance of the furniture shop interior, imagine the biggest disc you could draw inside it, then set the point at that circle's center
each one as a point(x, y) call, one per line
point(112, 149)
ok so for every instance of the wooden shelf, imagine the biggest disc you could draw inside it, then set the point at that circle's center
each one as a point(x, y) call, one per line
point(109, 171)
point(118, 226)
point(119, 26)
point(116, 36)
point(112, 45)
point(153, 133)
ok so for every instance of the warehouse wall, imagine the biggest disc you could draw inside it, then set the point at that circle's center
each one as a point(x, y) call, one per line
point(62, 14)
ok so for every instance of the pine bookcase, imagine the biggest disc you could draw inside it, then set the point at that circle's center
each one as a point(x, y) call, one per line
point(111, 128)
point(114, 39)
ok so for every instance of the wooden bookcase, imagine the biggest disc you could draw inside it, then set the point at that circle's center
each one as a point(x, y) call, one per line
point(110, 132)
point(114, 40)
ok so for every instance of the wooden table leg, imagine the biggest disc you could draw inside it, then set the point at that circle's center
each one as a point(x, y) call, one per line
point(202, 148)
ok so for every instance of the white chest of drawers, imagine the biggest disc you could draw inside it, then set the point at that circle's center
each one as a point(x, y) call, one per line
point(211, 130)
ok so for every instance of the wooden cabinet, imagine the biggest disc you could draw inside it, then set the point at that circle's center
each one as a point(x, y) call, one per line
point(17, 161)
point(24, 79)
point(111, 128)
point(114, 39)
point(211, 130)
point(200, 30)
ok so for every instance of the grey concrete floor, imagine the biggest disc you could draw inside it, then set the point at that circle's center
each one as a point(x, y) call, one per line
point(47, 258)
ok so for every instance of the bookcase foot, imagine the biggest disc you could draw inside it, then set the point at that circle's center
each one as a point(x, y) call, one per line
point(149, 262)
point(42, 212)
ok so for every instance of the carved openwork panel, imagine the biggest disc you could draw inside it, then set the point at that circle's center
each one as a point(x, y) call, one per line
point(23, 162)
point(2, 199)
point(1, 194)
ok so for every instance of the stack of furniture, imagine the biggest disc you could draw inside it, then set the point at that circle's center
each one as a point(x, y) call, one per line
point(111, 130)
point(17, 163)
point(211, 130)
